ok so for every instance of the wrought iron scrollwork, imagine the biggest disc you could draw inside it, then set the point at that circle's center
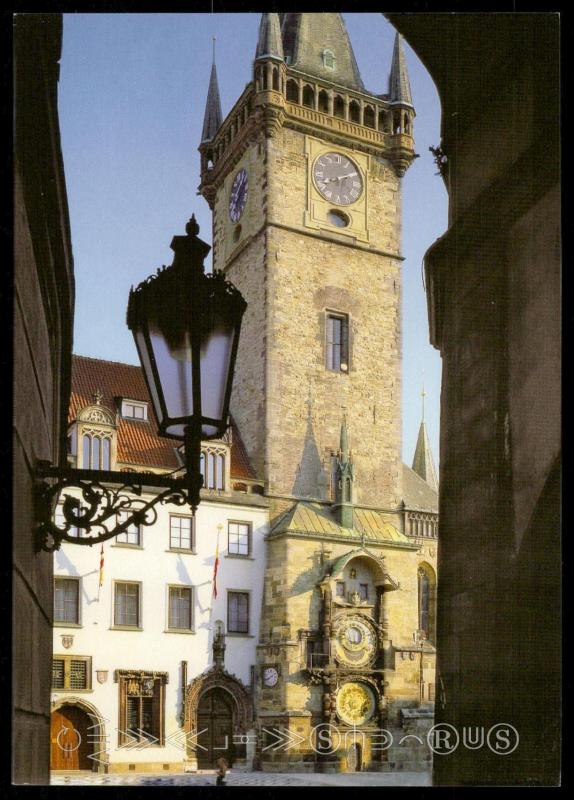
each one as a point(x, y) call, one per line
point(104, 511)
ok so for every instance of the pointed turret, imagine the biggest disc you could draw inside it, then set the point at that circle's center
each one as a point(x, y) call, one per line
point(345, 479)
point(399, 86)
point(319, 45)
point(423, 462)
point(213, 116)
point(270, 44)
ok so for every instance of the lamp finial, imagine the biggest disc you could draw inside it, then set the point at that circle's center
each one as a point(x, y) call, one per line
point(192, 228)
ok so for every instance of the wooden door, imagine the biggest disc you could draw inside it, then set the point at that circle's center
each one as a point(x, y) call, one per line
point(215, 728)
point(70, 745)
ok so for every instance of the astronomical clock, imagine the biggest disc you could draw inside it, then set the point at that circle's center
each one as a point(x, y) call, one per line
point(352, 637)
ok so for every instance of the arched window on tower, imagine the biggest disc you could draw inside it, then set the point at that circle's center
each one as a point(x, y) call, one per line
point(292, 92)
point(339, 106)
point(354, 111)
point(323, 101)
point(308, 97)
point(369, 117)
point(276, 79)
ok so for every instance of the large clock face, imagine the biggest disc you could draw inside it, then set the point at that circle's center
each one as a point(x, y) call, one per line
point(238, 197)
point(355, 703)
point(355, 641)
point(337, 178)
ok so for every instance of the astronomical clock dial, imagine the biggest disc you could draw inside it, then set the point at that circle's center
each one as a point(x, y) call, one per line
point(337, 178)
point(238, 196)
point(355, 641)
point(270, 676)
point(355, 703)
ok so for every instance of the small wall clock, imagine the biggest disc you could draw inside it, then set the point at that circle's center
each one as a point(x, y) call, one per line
point(238, 196)
point(270, 676)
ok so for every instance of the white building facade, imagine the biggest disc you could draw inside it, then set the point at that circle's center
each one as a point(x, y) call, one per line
point(154, 653)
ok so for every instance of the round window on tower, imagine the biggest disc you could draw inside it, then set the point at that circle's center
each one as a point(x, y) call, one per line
point(337, 218)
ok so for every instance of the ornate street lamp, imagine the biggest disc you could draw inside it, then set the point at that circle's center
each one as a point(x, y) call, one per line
point(186, 328)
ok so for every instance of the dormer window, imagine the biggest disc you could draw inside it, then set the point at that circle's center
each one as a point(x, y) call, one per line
point(328, 59)
point(134, 409)
point(96, 450)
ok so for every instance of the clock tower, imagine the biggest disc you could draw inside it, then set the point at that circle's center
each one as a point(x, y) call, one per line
point(303, 178)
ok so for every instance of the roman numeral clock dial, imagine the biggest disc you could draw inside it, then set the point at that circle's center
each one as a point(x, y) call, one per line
point(238, 196)
point(337, 178)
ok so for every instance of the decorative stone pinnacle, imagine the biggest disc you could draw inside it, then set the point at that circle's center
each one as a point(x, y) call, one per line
point(192, 228)
point(98, 397)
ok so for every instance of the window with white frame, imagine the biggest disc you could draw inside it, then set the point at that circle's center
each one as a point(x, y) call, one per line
point(127, 604)
point(134, 409)
point(67, 601)
point(181, 533)
point(60, 521)
point(132, 535)
point(238, 612)
point(239, 539)
point(180, 608)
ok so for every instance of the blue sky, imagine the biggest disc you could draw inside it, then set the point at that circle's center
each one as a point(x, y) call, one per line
point(131, 102)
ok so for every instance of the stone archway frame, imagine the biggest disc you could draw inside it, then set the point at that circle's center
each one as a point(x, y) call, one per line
point(217, 678)
point(382, 577)
point(98, 738)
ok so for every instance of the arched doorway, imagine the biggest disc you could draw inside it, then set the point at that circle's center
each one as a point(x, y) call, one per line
point(355, 758)
point(71, 746)
point(215, 728)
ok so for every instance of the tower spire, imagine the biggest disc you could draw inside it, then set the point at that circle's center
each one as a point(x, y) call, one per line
point(269, 44)
point(319, 45)
point(213, 116)
point(423, 462)
point(399, 85)
point(345, 479)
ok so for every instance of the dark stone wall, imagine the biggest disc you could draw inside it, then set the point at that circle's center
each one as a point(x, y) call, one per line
point(43, 312)
point(493, 286)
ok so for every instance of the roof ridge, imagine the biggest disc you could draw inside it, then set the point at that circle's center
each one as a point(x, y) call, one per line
point(107, 361)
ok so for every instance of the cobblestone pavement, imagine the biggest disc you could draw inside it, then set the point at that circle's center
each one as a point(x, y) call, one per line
point(207, 778)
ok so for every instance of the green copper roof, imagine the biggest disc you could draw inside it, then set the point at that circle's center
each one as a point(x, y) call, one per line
point(317, 520)
point(319, 45)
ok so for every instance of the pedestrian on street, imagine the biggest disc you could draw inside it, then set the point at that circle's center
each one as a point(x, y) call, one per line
point(221, 772)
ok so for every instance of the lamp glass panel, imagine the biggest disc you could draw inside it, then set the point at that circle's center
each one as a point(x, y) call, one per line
point(145, 361)
point(215, 359)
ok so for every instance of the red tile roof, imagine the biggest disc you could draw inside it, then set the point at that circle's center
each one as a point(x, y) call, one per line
point(138, 442)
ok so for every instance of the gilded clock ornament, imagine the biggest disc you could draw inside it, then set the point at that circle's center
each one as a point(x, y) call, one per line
point(238, 196)
point(337, 178)
point(355, 703)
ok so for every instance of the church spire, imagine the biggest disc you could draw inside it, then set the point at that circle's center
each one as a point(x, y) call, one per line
point(270, 44)
point(345, 479)
point(399, 86)
point(213, 116)
point(319, 45)
point(423, 462)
